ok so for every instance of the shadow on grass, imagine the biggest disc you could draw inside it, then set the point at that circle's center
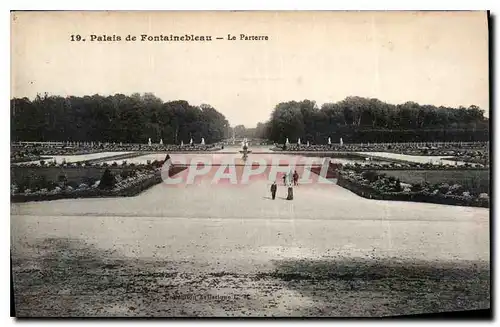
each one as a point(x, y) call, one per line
point(67, 277)
point(375, 287)
point(70, 278)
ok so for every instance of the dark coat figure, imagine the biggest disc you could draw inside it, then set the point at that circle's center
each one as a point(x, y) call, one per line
point(295, 178)
point(284, 179)
point(274, 188)
point(290, 193)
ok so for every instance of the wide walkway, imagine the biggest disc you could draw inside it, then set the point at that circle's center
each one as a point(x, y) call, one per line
point(128, 256)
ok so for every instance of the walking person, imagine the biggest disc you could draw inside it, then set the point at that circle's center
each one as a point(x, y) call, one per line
point(274, 188)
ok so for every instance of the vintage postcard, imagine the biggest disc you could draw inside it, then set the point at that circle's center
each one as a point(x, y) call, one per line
point(250, 164)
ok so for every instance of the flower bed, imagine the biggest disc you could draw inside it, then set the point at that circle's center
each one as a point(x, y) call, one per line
point(410, 166)
point(481, 159)
point(127, 183)
point(20, 159)
point(99, 162)
point(88, 149)
point(429, 149)
point(371, 185)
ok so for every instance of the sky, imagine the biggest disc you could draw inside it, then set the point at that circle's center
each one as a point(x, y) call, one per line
point(438, 58)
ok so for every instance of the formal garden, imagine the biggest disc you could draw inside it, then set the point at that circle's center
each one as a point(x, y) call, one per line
point(51, 180)
point(24, 153)
point(376, 185)
point(475, 152)
point(374, 165)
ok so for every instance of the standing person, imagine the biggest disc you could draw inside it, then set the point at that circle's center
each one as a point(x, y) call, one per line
point(290, 192)
point(295, 178)
point(274, 188)
point(284, 179)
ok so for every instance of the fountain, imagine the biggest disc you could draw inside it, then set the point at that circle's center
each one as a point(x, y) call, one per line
point(245, 149)
point(202, 141)
point(149, 141)
point(341, 142)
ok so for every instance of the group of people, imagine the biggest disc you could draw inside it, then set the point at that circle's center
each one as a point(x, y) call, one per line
point(286, 182)
point(294, 178)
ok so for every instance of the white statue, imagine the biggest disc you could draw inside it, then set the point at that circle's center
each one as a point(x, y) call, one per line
point(191, 141)
point(287, 143)
point(149, 141)
point(161, 141)
point(329, 141)
point(298, 141)
point(182, 143)
point(307, 143)
point(202, 141)
point(341, 142)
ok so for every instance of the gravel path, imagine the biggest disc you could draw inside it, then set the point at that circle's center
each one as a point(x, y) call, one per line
point(219, 251)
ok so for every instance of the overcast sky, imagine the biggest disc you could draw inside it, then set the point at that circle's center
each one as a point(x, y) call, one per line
point(427, 57)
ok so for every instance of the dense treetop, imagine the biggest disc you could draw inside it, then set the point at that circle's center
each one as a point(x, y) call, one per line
point(116, 118)
point(360, 119)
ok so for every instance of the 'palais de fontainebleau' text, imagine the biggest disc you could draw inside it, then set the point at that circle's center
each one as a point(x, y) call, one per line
point(166, 38)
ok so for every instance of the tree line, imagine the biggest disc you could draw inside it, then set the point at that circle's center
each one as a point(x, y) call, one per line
point(360, 120)
point(136, 118)
point(240, 131)
point(115, 118)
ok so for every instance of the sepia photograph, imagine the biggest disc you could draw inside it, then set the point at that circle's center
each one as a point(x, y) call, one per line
point(175, 164)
